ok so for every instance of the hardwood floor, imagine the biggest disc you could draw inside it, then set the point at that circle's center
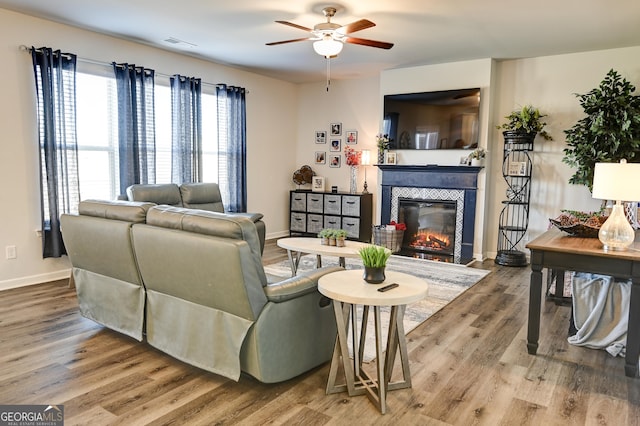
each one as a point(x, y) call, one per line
point(469, 365)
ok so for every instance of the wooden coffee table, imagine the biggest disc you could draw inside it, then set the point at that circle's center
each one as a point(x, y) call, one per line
point(296, 246)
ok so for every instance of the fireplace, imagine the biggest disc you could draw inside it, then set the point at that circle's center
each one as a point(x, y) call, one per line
point(431, 226)
point(446, 194)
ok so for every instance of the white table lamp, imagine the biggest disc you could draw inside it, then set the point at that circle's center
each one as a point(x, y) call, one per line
point(617, 182)
point(365, 160)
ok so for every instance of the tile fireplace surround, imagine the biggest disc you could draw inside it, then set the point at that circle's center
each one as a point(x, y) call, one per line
point(431, 182)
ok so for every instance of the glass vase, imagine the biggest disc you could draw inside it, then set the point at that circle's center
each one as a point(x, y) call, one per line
point(353, 179)
point(380, 156)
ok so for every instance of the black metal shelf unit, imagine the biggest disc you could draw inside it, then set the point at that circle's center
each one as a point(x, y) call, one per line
point(514, 217)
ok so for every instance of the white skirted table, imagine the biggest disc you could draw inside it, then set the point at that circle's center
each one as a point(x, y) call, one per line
point(347, 289)
point(299, 245)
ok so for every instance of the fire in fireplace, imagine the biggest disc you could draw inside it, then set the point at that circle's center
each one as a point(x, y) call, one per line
point(431, 226)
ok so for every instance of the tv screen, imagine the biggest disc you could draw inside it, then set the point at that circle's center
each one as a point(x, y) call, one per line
point(445, 119)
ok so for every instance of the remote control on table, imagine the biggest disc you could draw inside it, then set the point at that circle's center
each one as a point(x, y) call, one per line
point(388, 287)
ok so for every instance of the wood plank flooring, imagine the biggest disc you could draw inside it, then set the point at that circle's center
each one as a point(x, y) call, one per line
point(469, 366)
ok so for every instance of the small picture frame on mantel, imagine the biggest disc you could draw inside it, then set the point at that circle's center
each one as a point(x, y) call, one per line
point(390, 158)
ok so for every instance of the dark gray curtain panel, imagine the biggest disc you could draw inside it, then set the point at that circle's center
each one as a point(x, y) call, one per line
point(232, 145)
point(186, 129)
point(55, 79)
point(136, 125)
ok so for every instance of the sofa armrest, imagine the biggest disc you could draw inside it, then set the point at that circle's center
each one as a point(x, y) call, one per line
point(254, 217)
point(297, 286)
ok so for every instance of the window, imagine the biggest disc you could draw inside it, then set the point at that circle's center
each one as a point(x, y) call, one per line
point(97, 134)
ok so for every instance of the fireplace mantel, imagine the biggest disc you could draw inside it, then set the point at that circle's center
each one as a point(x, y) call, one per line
point(461, 178)
point(449, 177)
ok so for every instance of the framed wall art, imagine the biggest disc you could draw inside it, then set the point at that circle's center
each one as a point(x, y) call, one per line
point(336, 129)
point(321, 136)
point(334, 161)
point(336, 145)
point(321, 157)
point(351, 137)
point(317, 184)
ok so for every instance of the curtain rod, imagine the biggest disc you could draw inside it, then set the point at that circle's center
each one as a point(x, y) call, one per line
point(96, 62)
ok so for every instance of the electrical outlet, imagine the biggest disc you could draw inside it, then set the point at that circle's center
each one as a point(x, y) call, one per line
point(11, 252)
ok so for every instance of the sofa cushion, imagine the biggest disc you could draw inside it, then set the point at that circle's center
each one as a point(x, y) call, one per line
point(129, 211)
point(202, 195)
point(166, 193)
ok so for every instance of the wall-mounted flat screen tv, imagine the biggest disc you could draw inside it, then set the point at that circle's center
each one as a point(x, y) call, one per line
point(445, 119)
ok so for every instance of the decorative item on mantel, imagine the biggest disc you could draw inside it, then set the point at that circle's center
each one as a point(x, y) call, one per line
point(383, 145)
point(353, 160)
point(477, 157)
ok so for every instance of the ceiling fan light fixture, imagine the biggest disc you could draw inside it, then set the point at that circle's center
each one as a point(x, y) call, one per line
point(327, 47)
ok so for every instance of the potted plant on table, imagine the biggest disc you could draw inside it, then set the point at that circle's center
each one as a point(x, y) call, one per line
point(374, 258)
point(340, 235)
point(324, 236)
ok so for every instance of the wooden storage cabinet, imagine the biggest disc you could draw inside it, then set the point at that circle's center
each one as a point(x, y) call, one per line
point(312, 211)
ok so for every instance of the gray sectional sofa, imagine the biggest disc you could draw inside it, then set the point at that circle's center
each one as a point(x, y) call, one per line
point(191, 282)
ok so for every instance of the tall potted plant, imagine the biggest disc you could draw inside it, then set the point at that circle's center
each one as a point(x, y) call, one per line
point(609, 132)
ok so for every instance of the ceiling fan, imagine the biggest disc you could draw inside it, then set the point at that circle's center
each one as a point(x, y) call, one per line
point(330, 37)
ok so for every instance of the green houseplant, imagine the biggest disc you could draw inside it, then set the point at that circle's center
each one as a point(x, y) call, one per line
point(528, 120)
point(374, 258)
point(609, 132)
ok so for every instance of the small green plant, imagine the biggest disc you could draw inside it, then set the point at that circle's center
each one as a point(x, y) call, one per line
point(526, 120)
point(478, 153)
point(374, 256)
point(340, 233)
point(325, 233)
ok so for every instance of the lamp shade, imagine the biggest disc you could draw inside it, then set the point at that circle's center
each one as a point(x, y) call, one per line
point(616, 181)
point(327, 47)
point(365, 157)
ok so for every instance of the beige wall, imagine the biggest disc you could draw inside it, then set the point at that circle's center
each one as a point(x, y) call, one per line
point(271, 128)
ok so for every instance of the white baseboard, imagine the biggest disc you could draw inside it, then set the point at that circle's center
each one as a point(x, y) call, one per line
point(35, 279)
point(274, 235)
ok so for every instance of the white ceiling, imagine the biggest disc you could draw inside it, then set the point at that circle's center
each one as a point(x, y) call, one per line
point(234, 32)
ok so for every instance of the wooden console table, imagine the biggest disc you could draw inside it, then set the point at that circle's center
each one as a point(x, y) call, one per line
point(556, 250)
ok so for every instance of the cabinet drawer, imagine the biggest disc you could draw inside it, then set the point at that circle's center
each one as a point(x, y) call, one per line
point(352, 226)
point(298, 201)
point(314, 223)
point(332, 222)
point(314, 203)
point(298, 222)
point(332, 204)
point(350, 205)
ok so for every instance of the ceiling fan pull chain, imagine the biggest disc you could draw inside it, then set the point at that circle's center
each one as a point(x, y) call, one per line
point(328, 72)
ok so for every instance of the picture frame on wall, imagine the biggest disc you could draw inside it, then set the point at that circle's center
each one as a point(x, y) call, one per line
point(336, 145)
point(321, 136)
point(317, 184)
point(321, 157)
point(390, 158)
point(351, 137)
point(336, 129)
point(334, 161)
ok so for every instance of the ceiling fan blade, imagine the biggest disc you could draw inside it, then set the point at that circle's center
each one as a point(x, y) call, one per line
point(371, 43)
point(274, 43)
point(360, 25)
point(291, 24)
